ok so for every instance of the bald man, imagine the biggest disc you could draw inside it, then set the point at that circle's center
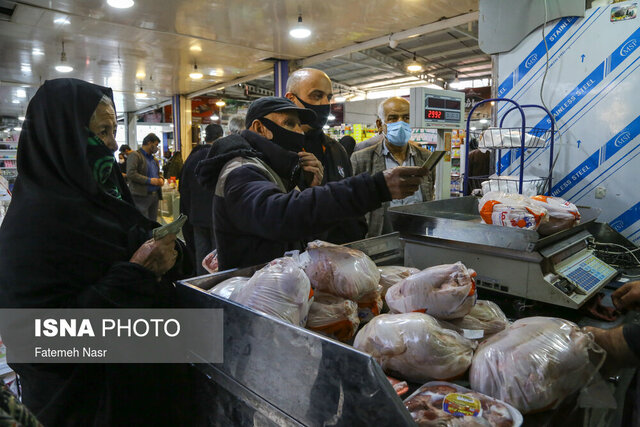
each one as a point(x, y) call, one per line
point(312, 89)
point(395, 149)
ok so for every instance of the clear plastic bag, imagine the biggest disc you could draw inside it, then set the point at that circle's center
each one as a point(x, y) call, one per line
point(333, 316)
point(445, 291)
point(531, 184)
point(485, 316)
point(414, 347)
point(392, 274)
point(511, 210)
point(226, 287)
point(510, 138)
point(562, 214)
point(370, 305)
point(341, 271)
point(280, 289)
point(535, 363)
point(450, 405)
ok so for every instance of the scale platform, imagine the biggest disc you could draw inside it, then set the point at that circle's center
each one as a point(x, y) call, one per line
point(559, 269)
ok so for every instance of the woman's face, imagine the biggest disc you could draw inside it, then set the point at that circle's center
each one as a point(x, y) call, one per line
point(103, 124)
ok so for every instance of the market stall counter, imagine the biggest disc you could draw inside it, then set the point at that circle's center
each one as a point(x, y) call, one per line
point(275, 373)
point(278, 374)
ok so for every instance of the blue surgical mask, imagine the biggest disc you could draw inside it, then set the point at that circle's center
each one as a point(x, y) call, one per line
point(398, 133)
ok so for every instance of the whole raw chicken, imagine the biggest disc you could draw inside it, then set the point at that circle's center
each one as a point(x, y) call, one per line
point(445, 291)
point(414, 347)
point(534, 363)
point(341, 271)
point(333, 316)
point(280, 289)
point(392, 274)
point(485, 316)
point(226, 287)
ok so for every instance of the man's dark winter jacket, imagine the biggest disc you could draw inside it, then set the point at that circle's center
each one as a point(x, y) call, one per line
point(258, 212)
point(337, 166)
point(194, 198)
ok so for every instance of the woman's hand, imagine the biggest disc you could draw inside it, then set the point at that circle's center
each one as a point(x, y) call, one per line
point(157, 255)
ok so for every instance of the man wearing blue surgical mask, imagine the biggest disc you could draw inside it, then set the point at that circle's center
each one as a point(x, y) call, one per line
point(312, 89)
point(395, 149)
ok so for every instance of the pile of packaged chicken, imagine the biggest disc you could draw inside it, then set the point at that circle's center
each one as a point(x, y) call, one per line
point(436, 331)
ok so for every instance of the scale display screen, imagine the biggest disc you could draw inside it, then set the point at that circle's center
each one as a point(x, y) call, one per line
point(442, 109)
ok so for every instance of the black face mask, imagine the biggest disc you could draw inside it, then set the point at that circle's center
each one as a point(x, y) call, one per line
point(322, 113)
point(285, 138)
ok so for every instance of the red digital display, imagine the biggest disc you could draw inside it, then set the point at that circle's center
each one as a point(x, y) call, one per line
point(433, 114)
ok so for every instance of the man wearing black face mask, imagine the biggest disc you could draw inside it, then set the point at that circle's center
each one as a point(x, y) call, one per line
point(259, 210)
point(312, 89)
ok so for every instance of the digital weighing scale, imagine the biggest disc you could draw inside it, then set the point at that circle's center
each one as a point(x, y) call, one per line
point(559, 269)
point(442, 110)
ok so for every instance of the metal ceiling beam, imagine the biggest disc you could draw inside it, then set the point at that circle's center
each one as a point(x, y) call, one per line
point(465, 33)
point(381, 41)
point(387, 69)
point(453, 40)
point(222, 85)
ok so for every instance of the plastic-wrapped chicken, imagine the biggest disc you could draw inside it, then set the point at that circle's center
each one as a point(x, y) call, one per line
point(535, 363)
point(445, 291)
point(392, 274)
point(562, 214)
point(280, 289)
point(341, 271)
point(226, 287)
point(443, 404)
point(333, 316)
point(485, 316)
point(511, 210)
point(414, 347)
point(370, 305)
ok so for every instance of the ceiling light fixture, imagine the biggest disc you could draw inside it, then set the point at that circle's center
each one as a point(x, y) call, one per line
point(18, 129)
point(215, 117)
point(195, 48)
point(221, 103)
point(331, 117)
point(300, 31)
point(63, 66)
point(21, 93)
point(62, 21)
point(21, 118)
point(483, 121)
point(457, 79)
point(195, 74)
point(37, 52)
point(414, 66)
point(120, 4)
point(141, 94)
point(141, 75)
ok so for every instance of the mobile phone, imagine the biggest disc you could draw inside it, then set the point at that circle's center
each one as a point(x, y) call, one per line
point(171, 228)
point(433, 160)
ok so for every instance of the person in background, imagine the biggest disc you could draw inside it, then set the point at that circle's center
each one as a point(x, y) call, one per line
point(236, 124)
point(173, 168)
point(143, 177)
point(623, 342)
point(122, 165)
point(124, 151)
point(395, 149)
point(72, 238)
point(348, 143)
point(310, 88)
point(479, 165)
point(196, 201)
point(259, 211)
point(371, 141)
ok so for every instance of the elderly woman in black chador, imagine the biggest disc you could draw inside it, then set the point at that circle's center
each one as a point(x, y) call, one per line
point(72, 238)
